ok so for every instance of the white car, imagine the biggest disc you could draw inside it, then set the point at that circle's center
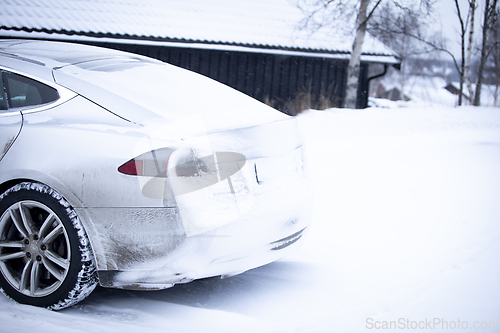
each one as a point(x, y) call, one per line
point(124, 171)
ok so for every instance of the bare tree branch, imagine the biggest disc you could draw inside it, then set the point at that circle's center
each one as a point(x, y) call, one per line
point(319, 14)
point(371, 12)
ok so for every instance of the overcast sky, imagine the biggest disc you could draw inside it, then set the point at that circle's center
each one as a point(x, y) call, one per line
point(450, 24)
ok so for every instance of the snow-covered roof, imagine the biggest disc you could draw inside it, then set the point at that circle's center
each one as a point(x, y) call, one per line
point(257, 23)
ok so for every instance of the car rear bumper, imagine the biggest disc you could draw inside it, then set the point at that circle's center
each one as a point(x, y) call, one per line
point(255, 216)
point(224, 266)
point(155, 248)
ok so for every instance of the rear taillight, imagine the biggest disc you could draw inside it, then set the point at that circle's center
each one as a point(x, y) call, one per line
point(152, 164)
point(168, 162)
point(131, 167)
point(185, 169)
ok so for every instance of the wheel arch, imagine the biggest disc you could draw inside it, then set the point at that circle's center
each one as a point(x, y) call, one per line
point(88, 224)
point(13, 182)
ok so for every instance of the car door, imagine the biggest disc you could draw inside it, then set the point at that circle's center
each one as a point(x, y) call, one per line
point(10, 121)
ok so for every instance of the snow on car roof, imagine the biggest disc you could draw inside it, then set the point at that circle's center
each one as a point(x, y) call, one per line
point(55, 54)
point(262, 23)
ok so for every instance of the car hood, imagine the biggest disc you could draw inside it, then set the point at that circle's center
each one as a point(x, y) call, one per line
point(146, 92)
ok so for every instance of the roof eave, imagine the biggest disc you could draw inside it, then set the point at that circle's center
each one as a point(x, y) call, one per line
point(64, 35)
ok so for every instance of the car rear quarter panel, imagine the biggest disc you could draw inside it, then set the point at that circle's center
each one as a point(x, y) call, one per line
point(76, 149)
point(10, 124)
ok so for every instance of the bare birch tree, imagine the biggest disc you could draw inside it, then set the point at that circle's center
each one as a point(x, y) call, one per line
point(460, 66)
point(354, 66)
point(319, 13)
point(490, 18)
point(495, 59)
point(468, 52)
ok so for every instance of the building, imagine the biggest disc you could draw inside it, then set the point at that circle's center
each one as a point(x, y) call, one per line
point(253, 46)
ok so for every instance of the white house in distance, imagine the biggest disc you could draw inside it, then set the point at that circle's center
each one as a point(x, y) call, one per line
point(253, 46)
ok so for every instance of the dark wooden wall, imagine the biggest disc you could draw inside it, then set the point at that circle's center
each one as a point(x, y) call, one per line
point(288, 83)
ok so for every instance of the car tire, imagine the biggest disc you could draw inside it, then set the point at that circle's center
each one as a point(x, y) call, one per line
point(45, 255)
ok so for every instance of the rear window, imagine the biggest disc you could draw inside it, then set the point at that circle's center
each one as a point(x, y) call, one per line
point(23, 91)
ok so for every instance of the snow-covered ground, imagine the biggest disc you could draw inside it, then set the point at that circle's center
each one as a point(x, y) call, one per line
point(406, 233)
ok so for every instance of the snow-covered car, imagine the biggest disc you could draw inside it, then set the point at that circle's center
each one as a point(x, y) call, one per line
point(124, 171)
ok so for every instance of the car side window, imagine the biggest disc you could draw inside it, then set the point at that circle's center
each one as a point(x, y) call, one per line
point(23, 91)
point(3, 99)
